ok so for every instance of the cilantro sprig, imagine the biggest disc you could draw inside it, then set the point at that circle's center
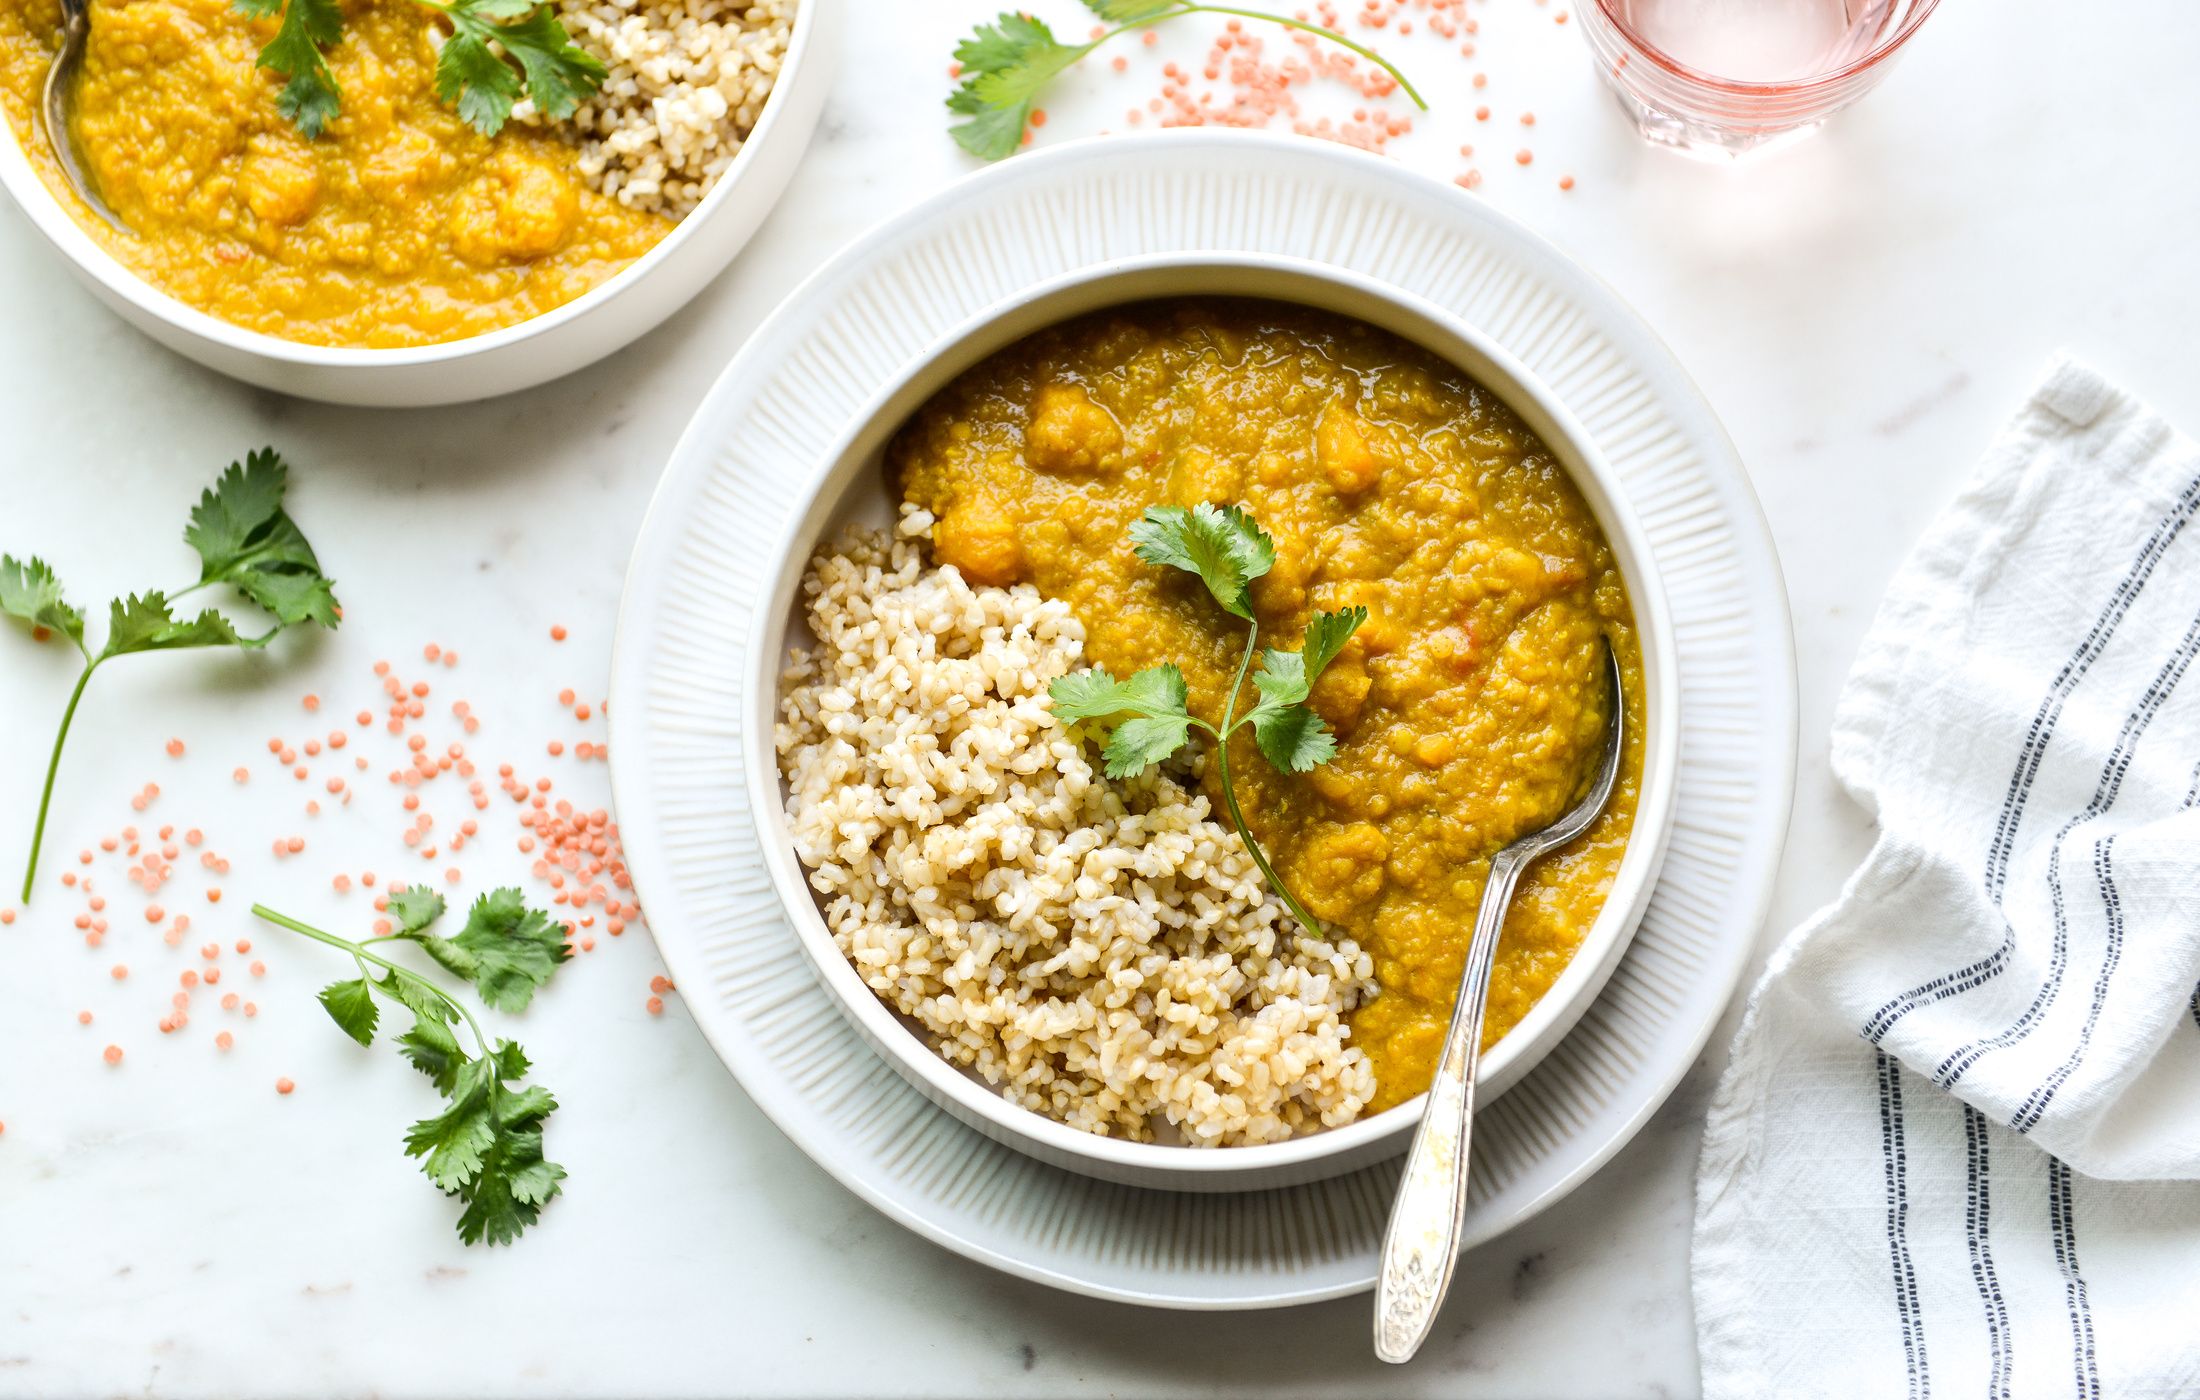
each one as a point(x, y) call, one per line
point(496, 51)
point(1226, 550)
point(1006, 64)
point(244, 539)
point(485, 1148)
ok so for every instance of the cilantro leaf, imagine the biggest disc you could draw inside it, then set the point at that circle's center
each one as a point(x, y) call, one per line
point(243, 537)
point(417, 996)
point(506, 950)
point(1223, 546)
point(143, 623)
point(1294, 738)
point(472, 76)
point(413, 909)
point(351, 1006)
point(1155, 698)
point(1158, 693)
point(450, 1145)
point(309, 99)
point(515, 1180)
point(1004, 66)
point(433, 1050)
point(560, 73)
point(1290, 735)
point(32, 593)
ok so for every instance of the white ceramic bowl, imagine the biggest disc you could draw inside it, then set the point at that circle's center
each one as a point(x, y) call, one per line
point(851, 486)
point(533, 352)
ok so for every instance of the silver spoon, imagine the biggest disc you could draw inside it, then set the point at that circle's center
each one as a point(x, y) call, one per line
point(1421, 1245)
point(76, 31)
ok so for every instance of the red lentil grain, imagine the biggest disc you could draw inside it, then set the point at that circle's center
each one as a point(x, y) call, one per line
point(112, 1054)
point(284, 1086)
point(224, 1041)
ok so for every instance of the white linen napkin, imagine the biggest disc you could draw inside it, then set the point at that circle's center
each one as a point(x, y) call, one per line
point(1957, 1150)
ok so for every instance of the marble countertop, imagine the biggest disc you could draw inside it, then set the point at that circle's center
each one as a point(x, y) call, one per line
point(1862, 310)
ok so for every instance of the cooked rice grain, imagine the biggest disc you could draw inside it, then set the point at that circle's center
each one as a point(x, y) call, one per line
point(688, 81)
point(1101, 951)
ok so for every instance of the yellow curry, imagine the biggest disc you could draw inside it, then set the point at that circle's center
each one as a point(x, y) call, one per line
point(1468, 708)
point(399, 226)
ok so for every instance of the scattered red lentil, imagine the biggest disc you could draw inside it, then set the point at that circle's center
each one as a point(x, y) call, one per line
point(113, 1054)
point(175, 748)
point(284, 1086)
point(224, 1040)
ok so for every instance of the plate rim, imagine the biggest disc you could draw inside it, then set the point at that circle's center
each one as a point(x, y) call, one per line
point(1779, 684)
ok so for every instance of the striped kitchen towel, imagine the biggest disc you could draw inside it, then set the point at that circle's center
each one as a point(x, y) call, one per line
point(1957, 1151)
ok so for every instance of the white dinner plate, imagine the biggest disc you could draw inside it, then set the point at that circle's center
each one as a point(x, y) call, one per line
point(765, 430)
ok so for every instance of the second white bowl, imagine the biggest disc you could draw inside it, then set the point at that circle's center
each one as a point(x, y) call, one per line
point(537, 350)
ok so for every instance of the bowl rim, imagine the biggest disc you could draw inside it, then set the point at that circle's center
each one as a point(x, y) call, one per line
point(43, 207)
point(1553, 1014)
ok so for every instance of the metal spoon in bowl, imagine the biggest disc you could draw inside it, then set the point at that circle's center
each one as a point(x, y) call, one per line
point(1421, 1245)
point(76, 31)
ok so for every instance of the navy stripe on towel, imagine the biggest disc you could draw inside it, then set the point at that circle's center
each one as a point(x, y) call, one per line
point(1896, 1157)
point(2034, 751)
point(2105, 792)
point(2062, 1223)
point(1977, 1221)
point(2035, 1103)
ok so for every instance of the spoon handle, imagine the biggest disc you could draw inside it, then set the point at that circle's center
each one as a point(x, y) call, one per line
point(1422, 1243)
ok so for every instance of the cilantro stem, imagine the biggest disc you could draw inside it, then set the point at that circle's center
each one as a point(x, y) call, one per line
point(1302, 25)
point(53, 767)
point(1229, 790)
point(406, 974)
point(1189, 8)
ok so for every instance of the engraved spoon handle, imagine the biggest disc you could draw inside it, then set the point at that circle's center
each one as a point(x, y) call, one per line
point(1421, 1246)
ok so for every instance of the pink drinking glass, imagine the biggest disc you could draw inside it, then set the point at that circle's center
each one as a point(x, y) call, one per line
point(1720, 79)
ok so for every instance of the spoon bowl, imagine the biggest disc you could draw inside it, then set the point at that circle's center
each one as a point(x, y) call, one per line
point(1421, 1244)
point(76, 32)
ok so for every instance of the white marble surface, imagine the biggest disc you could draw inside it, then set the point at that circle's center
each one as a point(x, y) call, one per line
point(1862, 310)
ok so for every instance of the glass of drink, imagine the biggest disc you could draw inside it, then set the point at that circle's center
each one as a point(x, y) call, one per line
point(1719, 79)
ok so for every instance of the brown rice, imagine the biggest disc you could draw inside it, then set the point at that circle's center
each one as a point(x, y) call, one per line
point(1100, 951)
point(688, 81)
